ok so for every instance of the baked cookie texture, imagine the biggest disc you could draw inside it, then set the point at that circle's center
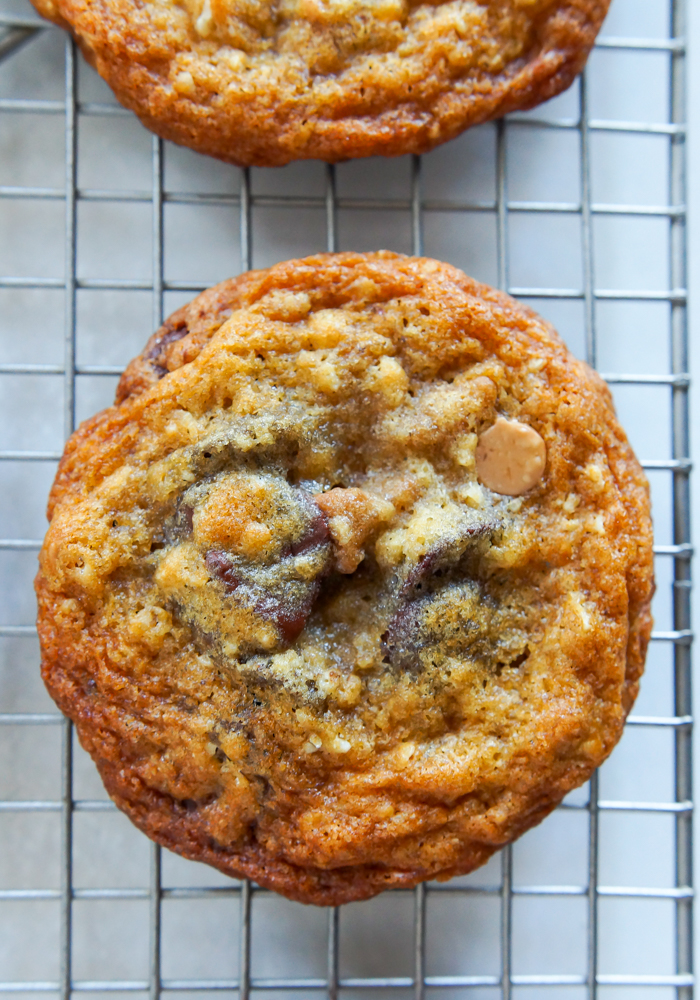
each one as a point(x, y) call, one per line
point(301, 638)
point(264, 82)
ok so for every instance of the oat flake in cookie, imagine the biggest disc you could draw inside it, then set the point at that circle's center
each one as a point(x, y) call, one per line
point(352, 583)
point(257, 82)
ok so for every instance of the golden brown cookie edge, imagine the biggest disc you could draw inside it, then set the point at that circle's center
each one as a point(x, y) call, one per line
point(254, 135)
point(325, 887)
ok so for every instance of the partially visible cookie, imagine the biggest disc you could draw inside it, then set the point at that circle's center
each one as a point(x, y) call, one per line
point(352, 584)
point(261, 83)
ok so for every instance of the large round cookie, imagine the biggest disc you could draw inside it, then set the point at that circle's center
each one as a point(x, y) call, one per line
point(352, 584)
point(261, 83)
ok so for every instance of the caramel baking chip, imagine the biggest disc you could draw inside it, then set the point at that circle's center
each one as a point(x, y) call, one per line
point(510, 457)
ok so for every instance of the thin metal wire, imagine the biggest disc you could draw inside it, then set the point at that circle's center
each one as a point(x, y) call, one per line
point(245, 234)
point(155, 893)
point(115, 370)
point(89, 108)
point(244, 983)
point(681, 982)
point(333, 946)
point(676, 296)
point(244, 932)
point(419, 931)
point(502, 272)
point(288, 201)
point(592, 358)
point(417, 208)
point(420, 895)
point(681, 515)
point(213, 892)
point(331, 210)
point(677, 808)
point(678, 468)
point(71, 164)
point(11, 39)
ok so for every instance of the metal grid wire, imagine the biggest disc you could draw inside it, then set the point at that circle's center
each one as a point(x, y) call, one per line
point(17, 31)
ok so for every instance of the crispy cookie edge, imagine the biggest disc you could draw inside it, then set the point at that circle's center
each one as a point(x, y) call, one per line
point(254, 133)
point(161, 817)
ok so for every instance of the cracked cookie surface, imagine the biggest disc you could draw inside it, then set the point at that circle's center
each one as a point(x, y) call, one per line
point(264, 83)
point(298, 628)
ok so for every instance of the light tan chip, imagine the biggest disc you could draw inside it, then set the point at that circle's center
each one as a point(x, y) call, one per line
point(510, 457)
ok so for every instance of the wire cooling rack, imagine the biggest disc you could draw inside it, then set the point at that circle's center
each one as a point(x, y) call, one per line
point(101, 229)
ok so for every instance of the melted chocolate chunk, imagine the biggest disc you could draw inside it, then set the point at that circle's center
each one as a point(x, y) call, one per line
point(401, 642)
point(436, 601)
point(156, 351)
point(444, 556)
point(316, 532)
point(280, 592)
point(185, 516)
point(180, 526)
point(280, 581)
point(435, 625)
point(289, 612)
point(222, 566)
point(287, 605)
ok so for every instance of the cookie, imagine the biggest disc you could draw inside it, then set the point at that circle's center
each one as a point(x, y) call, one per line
point(261, 83)
point(351, 585)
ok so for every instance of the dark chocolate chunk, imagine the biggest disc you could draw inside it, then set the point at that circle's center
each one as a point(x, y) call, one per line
point(433, 610)
point(222, 566)
point(180, 525)
point(316, 532)
point(401, 643)
point(286, 602)
point(169, 337)
point(444, 555)
point(290, 611)
point(434, 625)
point(282, 584)
point(185, 516)
point(154, 354)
